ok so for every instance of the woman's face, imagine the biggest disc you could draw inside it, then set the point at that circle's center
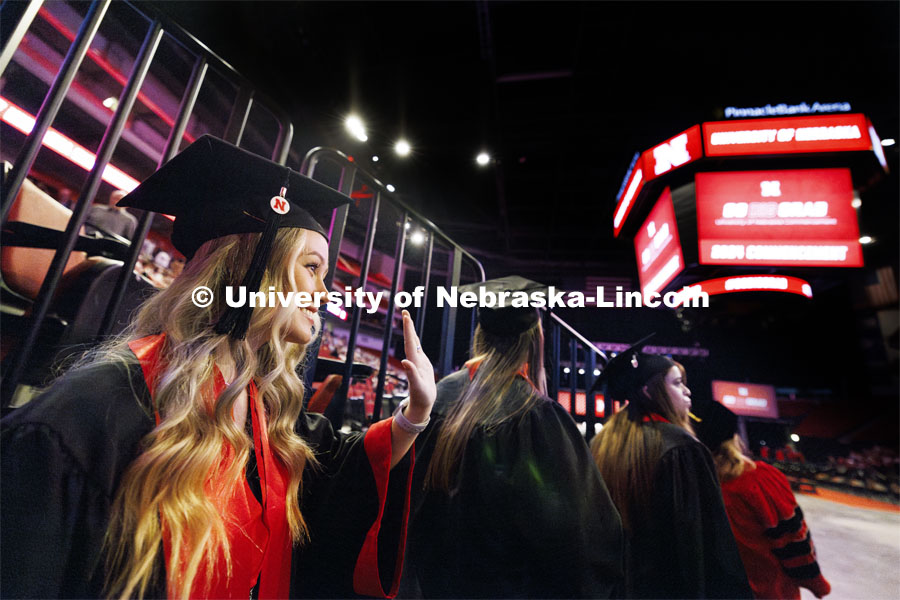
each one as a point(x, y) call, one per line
point(309, 275)
point(678, 392)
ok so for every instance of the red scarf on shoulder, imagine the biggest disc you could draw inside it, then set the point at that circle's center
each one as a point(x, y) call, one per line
point(258, 534)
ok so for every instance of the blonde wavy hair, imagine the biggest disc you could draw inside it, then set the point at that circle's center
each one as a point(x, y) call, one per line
point(485, 401)
point(731, 459)
point(165, 483)
point(627, 450)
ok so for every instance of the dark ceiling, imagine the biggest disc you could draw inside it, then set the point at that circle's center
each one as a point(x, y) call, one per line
point(561, 94)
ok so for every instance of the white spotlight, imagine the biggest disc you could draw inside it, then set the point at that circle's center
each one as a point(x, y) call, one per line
point(483, 158)
point(795, 437)
point(417, 238)
point(866, 240)
point(581, 371)
point(111, 103)
point(374, 159)
point(566, 370)
point(596, 372)
point(888, 142)
point(356, 128)
point(856, 203)
point(406, 225)
point(402, 148)
point(390, 188)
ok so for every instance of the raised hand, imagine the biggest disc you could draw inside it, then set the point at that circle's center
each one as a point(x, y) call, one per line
point(419, 371)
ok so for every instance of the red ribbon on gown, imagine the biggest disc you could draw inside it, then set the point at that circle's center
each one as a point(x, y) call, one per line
point(258, 534)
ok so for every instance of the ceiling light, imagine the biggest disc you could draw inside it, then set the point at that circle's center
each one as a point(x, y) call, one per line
point(406, 225)
point(581, 371)
point(390, 188)
point(65, 147)
point(888, 142)
point(402, 148)
point(866, 240)
point(374, 159)
point(356, 128)
point(111, 103)
point(483, 158)
point(795, 437)
point(417, 238)
point(856, 203)
point(596, 372)
point(566, 370)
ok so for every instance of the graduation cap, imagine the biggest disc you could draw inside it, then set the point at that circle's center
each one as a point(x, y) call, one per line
point(214, 189)
point(508, 320)
point(630, 370)
point(714, 424)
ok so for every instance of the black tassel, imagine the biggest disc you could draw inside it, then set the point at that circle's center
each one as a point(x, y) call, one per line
point(236, 321)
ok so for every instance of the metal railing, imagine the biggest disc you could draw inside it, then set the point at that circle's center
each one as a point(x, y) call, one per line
point(23, 15)
point(350, 171)
point(19, 17)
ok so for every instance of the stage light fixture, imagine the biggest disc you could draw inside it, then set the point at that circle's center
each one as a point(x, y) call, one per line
point(402, 148)
point(356, 128)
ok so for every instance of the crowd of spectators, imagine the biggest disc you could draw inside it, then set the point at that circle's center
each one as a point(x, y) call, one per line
point(872, 471)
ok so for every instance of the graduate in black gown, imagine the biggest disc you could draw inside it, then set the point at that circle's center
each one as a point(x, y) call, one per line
point(664, 483)
point(510, 504)
point(170, 463)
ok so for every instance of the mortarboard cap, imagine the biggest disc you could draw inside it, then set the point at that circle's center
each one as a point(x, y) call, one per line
point(630, 370)
point(508, 320)
point(714, 424)
point(214, 189)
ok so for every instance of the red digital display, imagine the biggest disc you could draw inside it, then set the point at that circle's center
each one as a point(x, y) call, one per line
point(632, 189)
point(658, 247)
point(673, 153)
point(747, 283)
point(746, 399)
point(788, 135)
point(564, 397)
point(778, 218)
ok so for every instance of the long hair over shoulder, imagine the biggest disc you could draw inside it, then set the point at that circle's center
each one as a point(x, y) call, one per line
point(730, 459)
point(166, 482)
point(485, 402)
point(627, 449)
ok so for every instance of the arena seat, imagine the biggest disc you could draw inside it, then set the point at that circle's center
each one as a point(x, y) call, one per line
point(78, 307)
point(24, 268)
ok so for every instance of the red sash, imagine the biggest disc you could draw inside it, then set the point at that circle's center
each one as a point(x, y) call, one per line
point(259, 536)
point(655, 417)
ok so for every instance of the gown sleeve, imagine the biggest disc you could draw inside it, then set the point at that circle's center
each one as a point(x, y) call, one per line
point(62, 456)
point(706, 559)
point(786, 531)
point(356, 509)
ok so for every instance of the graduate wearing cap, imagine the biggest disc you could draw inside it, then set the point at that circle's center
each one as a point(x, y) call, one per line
point(508, 501)
point(772, 536)
point(170, 462)
point(663, 481)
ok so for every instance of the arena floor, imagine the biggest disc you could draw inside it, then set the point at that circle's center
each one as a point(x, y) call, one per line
point(858, 548)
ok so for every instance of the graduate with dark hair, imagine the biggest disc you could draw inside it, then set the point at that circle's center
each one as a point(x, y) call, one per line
point(771, 533)
point(510, 503)
point(177, 460)
point(664, 484)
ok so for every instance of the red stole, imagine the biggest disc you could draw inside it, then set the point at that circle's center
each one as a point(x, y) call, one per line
point(655, 417)
point(473, 365)
point(259, 536)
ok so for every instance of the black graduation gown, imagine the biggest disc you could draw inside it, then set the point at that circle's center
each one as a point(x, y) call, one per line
point(65, 452)
point(530, 515)
point(684, 548)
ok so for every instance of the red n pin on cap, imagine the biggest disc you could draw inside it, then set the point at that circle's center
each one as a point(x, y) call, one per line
point(279, 203)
